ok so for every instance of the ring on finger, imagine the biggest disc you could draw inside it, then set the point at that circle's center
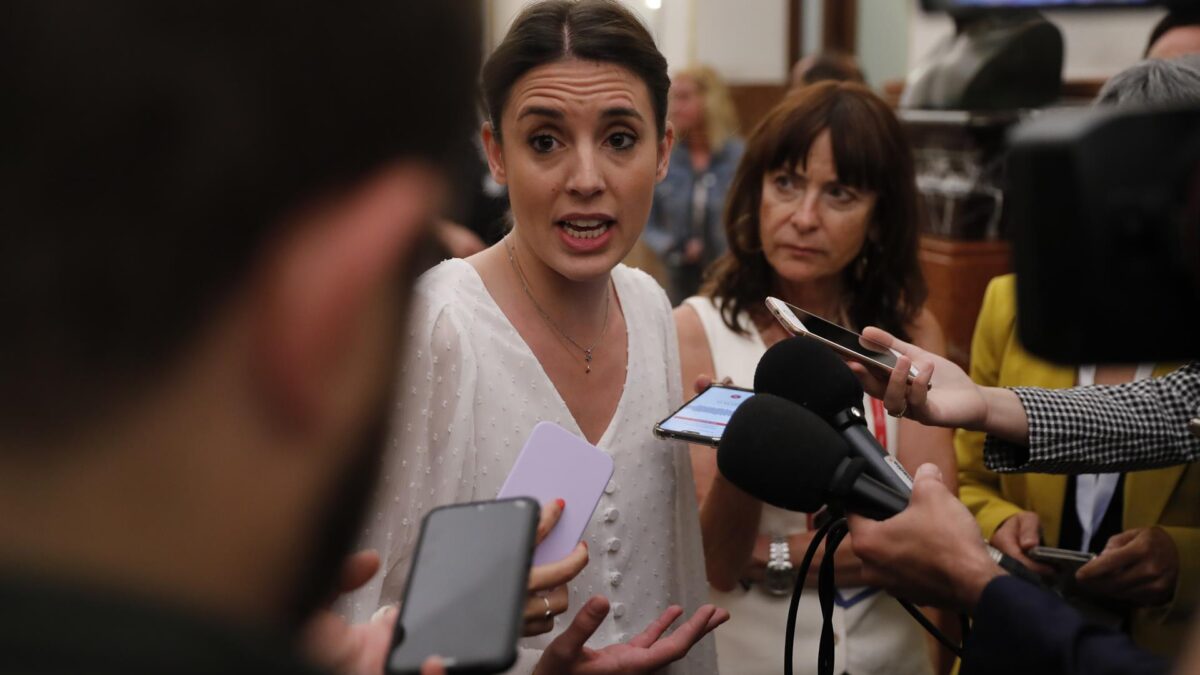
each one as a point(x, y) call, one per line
point(549, 614)
point(902, 410)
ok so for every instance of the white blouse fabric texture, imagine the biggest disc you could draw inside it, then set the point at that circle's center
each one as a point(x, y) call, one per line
point(872, 632)
point(472, 391)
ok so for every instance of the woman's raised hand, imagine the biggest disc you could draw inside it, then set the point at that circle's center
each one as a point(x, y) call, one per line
point(647, 652)
point(548, 594)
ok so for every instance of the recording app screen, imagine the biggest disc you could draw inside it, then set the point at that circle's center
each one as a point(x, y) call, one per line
point(708, 413)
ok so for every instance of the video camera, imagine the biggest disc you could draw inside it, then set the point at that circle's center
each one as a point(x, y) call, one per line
point(1104, 207)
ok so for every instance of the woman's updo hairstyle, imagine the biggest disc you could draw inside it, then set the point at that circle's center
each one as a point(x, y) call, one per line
point(590, 30)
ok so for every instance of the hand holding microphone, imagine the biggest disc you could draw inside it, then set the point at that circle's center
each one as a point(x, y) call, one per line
point(930, 553)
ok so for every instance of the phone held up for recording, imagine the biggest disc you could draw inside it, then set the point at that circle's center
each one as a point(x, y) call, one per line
point(845, 342)
point(702, 420)
point(465, 595)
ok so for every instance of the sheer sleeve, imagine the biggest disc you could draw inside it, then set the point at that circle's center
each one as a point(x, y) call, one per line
point(430, 459)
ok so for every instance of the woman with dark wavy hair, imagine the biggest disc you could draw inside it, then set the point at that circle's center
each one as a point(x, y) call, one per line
point(822, 213)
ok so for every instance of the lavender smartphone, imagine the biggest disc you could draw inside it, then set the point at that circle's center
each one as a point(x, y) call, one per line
point(557, 464)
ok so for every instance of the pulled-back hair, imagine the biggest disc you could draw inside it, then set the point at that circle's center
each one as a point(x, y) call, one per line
point(883, 283)
point(591, 30)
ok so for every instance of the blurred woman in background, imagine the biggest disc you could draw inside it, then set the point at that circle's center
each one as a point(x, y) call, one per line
point(822, 213)
point(685, 221)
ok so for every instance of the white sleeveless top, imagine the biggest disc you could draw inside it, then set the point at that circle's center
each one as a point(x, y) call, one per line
point(873, 634)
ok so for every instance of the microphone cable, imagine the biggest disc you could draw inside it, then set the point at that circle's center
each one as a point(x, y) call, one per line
point(832, 533)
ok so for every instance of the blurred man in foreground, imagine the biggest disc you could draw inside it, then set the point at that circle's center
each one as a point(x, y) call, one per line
point(210, 215)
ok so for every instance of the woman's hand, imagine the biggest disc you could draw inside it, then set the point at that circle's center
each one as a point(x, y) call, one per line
point(548, 594)
point(647, 652)
point(1016, 535)
point(1140, 566)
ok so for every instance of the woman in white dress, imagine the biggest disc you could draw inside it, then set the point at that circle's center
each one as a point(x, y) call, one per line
point(548, 326)
point(823, 214)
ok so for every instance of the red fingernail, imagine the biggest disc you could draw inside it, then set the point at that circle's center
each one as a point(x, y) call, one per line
point(562, 504)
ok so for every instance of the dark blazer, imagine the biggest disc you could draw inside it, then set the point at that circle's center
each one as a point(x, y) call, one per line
point(1022, 629)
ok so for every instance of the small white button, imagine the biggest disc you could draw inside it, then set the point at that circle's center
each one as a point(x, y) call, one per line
point(618, 610)
point(610, 488)
point(614, 578)
point(614, 545)
point(610, 515)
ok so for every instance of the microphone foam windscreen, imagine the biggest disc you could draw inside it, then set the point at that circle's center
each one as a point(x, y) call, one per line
point(807, 372)
point(780, 453)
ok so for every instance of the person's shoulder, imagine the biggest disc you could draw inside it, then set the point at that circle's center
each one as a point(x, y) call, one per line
point(639, 283)
point(444, 290)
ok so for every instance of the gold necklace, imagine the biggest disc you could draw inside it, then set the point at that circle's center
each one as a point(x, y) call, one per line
point(587, 351)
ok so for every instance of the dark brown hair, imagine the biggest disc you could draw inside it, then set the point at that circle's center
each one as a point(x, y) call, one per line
point(592, 30)
point(884, 285)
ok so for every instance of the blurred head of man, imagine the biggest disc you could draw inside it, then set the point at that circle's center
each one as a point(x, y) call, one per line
point(210, 212)
point(1177, 34)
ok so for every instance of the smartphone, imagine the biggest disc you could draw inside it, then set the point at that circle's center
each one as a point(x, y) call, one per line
point(1060, 558)
point(557, 464)
point(465, 595)
point(842, 340)
point(702, 420)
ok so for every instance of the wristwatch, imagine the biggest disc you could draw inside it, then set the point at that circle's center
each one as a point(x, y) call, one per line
point(780, 577)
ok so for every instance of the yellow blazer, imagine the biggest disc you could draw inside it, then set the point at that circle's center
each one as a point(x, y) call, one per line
point(1168, 498)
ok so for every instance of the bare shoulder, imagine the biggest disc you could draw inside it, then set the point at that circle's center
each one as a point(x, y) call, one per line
point(694, 355)
point(926, 332)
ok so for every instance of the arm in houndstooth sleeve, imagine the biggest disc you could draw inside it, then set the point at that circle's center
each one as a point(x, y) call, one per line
point(1126, 427)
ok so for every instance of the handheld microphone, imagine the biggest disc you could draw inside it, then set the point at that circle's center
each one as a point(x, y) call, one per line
point(758, 454)
point(806, 372)
point(790, 458)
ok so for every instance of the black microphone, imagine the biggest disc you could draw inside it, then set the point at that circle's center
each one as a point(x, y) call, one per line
point(786, 456)
point(790, 458)
point(808, 373)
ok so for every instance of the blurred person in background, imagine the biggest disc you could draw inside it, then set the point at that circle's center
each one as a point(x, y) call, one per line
point(685, 221)
point(1177, 34)
point(836, 66)
point(823, 213)
point(1152, 517)
point(547, 325)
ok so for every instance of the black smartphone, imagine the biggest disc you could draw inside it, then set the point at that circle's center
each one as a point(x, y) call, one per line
point(465, 595)
point(702, 420)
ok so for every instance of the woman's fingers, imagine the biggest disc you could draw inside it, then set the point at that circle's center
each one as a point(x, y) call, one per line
point(551, 512)
point(542, 607)
point(544, 577)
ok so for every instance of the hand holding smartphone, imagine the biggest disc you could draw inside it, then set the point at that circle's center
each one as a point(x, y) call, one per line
point(557, 464)
point(465, 595)
point(846, 342)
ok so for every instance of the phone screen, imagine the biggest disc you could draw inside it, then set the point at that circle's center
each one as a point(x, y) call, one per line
point(465, 594)
point(703, 418)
